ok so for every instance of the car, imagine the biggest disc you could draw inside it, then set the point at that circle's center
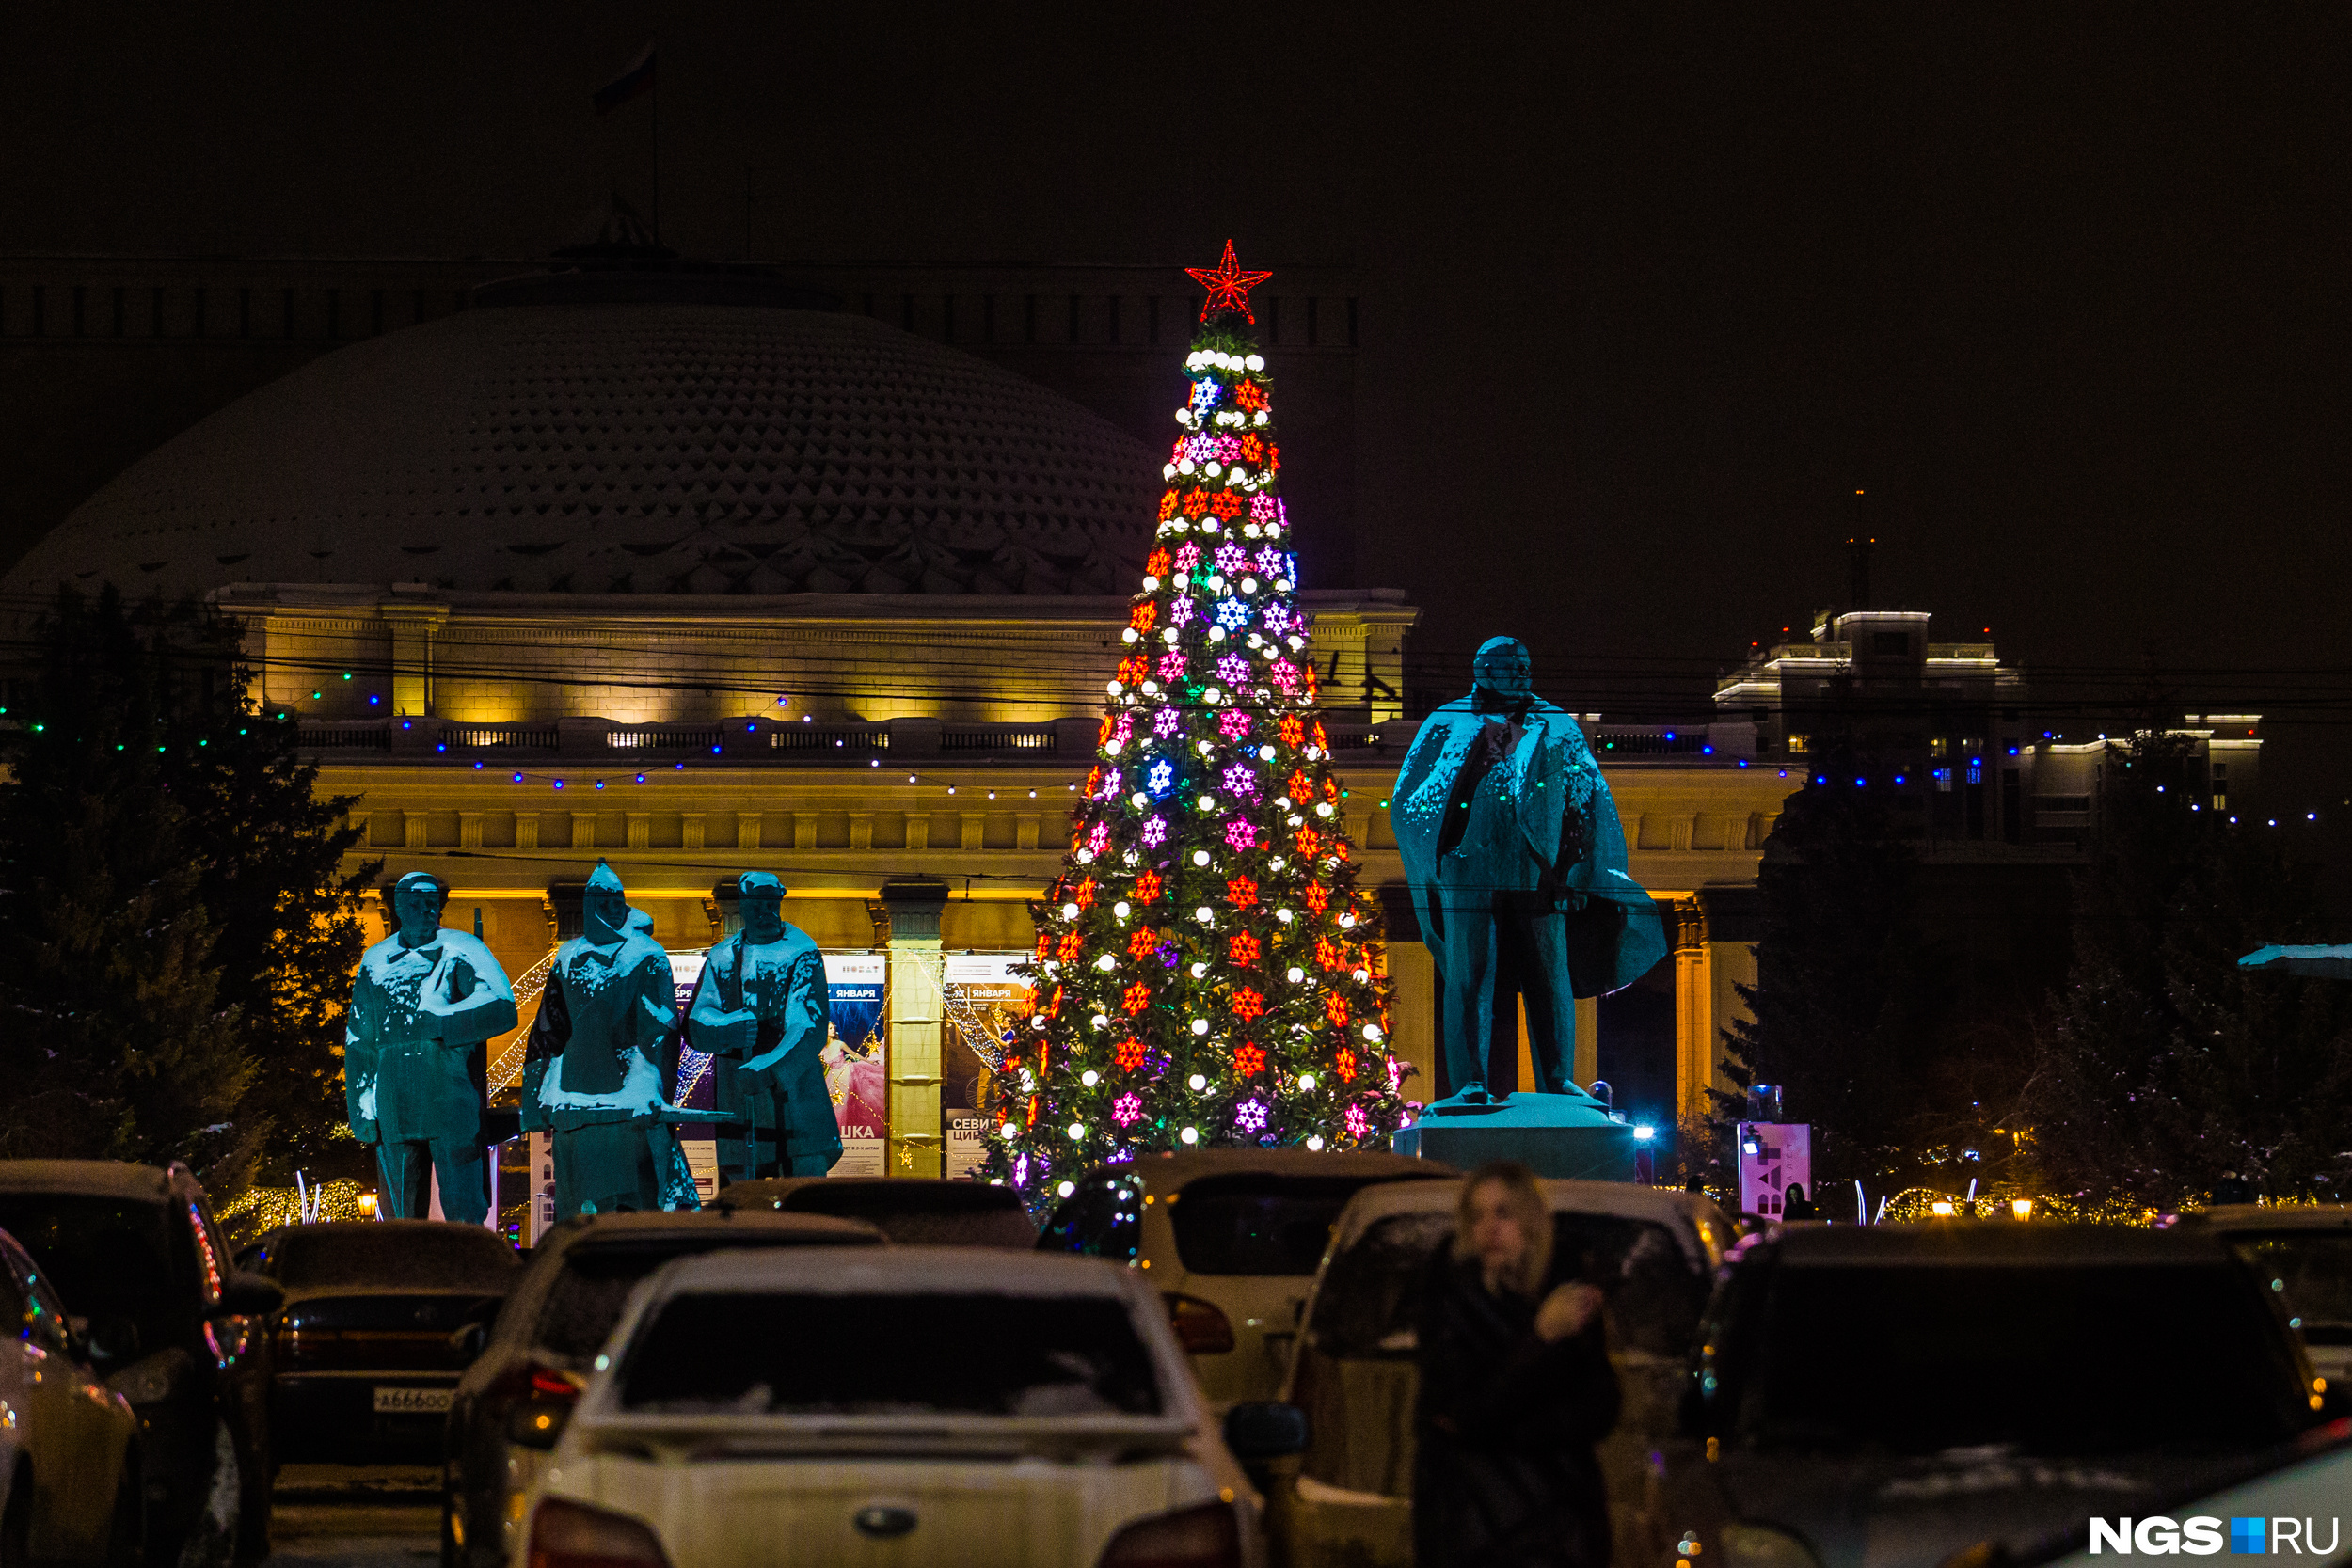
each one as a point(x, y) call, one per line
point(535, 1361)
point(1886, 1396)
point(911, 1211)
point(69, 1487)
point(904, 1405)
point(1348, 1497)
point(361, 1358)
point(2293, 1500)
point(135, 1250)
point(1232, 1239)
point(2303, 1252)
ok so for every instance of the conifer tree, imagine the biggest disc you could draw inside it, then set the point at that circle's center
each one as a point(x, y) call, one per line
point(1207, 971)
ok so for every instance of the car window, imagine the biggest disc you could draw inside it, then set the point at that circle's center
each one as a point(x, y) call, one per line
point(110, 1258)
point(596, 1277)
point(2312, 1273)
point(921, 1214)
point(963, 1352)
point(1369, 1301)
point(1104, 1218)
point(1259, 1223)
point(420, 1257)
point(2052, 1360)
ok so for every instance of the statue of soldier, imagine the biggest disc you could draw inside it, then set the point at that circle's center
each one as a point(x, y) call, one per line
point(591, 1071)
point(1518, 866)
point(760, 1010)
point(423, 1005)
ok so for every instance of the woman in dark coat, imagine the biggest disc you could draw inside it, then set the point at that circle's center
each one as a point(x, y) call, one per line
point(1516, 1389)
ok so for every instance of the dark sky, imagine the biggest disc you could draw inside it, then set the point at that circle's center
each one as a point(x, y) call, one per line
point(1651, 289)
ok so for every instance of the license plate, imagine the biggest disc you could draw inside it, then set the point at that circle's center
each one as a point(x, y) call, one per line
point(412, 1401)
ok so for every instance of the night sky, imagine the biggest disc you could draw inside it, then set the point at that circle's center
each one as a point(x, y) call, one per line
point(1650, 290)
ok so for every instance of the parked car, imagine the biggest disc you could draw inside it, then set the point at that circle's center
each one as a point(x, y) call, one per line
point(2296, 1501)
point(361, 1359)
point(1890, 1394)
point(1232, 1238)
point(1653, 1250)
point(533, 1363)
point(912, 1211)
point(69, 1487)
point(916, 1404)
point(2304, 1253)
point(135, 1249)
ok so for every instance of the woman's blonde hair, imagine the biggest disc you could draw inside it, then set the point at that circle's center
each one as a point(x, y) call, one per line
point(1524, 1200)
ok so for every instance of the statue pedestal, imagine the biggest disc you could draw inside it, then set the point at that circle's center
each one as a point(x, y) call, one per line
point(1566, 1136)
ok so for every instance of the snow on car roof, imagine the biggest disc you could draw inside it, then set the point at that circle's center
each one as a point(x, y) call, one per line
point(1682, 1212)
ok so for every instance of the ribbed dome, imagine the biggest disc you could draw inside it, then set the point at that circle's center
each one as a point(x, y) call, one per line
point(643, 447)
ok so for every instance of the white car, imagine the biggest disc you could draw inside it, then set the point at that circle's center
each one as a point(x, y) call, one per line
point(896, 1406)
point(1231, 1238)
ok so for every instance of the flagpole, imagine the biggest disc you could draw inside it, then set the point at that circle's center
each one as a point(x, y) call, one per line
point(655, 96)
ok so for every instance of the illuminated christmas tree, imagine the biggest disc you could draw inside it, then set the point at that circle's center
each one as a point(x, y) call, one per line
point(1206, 971)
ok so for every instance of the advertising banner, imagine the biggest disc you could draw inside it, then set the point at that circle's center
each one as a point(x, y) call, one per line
point(1774, 1155)
point(985, 1003)
point(855, 1076)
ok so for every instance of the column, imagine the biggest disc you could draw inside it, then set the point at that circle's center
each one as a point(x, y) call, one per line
point(412, 824)
point(469, 830)
point(583, 829)
point(640, 829)
point(1024, 831)
point(1587, 1040)
point(691, 829)
point(526, 829)
point(413, 626)
point(1734, 922)
point(1695, 1008)
point(914, 1019)
point(973, 825)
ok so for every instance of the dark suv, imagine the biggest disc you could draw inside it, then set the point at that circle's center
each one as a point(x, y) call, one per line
point(135, 1251)
point(538, 1359)
point(1891, 1394)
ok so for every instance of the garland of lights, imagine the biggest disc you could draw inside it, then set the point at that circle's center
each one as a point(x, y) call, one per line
point(1206, 972)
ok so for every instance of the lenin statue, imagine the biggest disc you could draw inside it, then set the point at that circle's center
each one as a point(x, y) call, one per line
point(423, 1005)
point(760, 1012)
point(1517, 862)
point(591, 1071)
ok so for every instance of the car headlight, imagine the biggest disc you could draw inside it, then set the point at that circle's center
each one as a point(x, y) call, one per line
point(1763, 1547)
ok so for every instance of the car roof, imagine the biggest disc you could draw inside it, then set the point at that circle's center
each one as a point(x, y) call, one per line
point(926, 1193)
point(2233, 1219)
point(816, 1229)
point(1668, 1206)
point(914, 1270)
point(115, 1178)
point(1166, 1173)
point(1990, 1243)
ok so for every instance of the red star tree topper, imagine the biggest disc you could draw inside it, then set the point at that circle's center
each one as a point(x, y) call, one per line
point(1207, 969)
point(1229, 287)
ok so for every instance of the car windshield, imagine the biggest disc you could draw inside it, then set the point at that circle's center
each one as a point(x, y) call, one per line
point(964, 1352)
point(586, 1298)
point(109, 1257)
point(1259, 1223)
point(394, 1258)
point(1367, 1304)
point(2052, 1360)
point(2312, 1271)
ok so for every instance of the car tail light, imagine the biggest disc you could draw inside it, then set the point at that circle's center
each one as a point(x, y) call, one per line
point(550, 1383)
point(1201, 1325)
point(1204, 1537)
point(573, 1535)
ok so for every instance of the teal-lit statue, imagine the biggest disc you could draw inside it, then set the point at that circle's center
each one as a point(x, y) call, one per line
point(1517, 866)
point(422, 1005)
point(760, 1010)
point(591, 1072)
